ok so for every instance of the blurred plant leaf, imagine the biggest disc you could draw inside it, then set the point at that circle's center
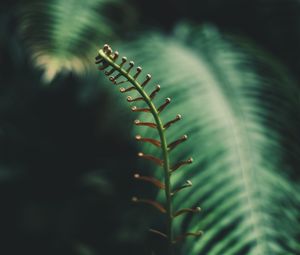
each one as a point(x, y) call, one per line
point(84, 250)
point(63, 34)
point(234, 99)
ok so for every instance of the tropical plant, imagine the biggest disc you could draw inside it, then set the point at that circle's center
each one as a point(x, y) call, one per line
point(108, 58)
point(239, 106)
point(234, 140)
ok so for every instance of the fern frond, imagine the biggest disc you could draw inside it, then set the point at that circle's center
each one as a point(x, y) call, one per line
point(63, 34)
point(108, 59)
point(233, 98)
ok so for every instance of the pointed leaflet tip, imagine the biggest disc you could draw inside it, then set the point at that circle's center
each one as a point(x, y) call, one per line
point(168, 124)
point(148, 78)
point(154, 231)
point(151, 180)
point(136, 176)
point(182, 237)
point(155, 204)
point(187, 184)
point(138, 71)
point(146, 124)
point(151, 158)
point(187, 210)
point(181, 163)
point(149, 140)
point(174, 144)
point(154, 93)
point(164, 105)
point(134, 199)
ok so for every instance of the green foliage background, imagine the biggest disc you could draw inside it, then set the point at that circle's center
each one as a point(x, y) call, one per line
point(67, 150)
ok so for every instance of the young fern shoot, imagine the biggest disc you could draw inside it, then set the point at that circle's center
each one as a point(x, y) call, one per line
point(119, 73)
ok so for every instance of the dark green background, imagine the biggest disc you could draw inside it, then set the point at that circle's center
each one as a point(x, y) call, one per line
point(66, 156)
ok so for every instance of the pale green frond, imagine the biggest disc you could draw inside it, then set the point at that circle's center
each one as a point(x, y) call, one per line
point(233, 99)
point(62, 35)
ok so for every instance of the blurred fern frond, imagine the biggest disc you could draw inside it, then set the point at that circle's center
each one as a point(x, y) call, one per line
point(63, 34)
point(234, 99)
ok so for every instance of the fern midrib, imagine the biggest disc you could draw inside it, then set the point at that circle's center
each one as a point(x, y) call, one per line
point(164, 145)
point(240, 143)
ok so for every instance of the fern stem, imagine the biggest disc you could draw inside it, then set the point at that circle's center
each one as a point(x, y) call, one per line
point(164, 145)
